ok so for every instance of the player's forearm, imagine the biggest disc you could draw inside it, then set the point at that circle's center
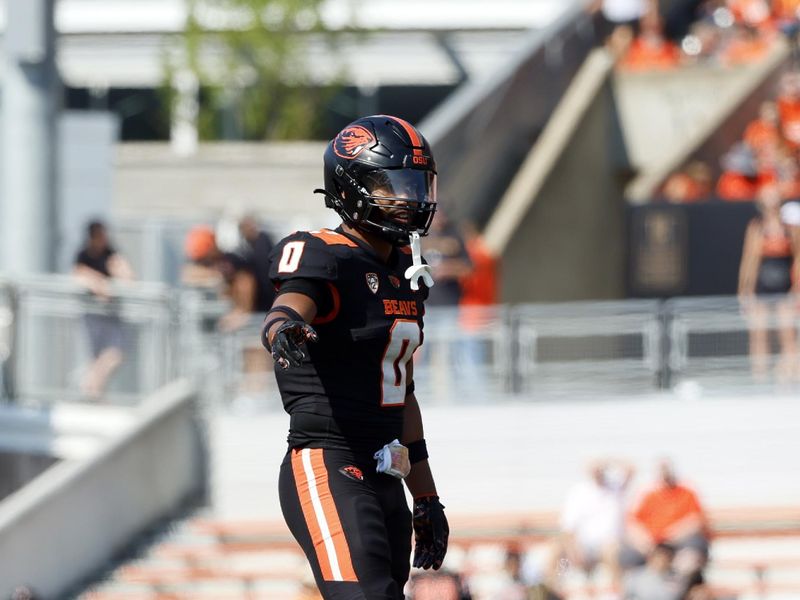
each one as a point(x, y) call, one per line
point(412, 421)
point(420, 481)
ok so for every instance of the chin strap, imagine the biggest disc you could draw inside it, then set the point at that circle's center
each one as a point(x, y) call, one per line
point(417, 270)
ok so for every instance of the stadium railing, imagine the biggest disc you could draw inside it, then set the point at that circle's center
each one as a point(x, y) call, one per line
point(534, 352)
point(526, 352)
point(501, 115)
point(48, 319)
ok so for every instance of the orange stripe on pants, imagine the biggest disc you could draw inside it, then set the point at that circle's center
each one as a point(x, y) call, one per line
point(321, 516)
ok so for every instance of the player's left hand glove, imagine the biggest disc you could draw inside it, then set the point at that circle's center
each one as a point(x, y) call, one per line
point(287, 341)
point(431, 532)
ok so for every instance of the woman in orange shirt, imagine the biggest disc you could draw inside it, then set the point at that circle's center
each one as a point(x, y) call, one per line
point(765, 279)
point(650, 50)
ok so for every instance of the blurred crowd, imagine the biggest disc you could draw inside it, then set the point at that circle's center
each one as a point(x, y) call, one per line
point(612, 543)
point(652, 547)
point(723, 32)
point(766, 156)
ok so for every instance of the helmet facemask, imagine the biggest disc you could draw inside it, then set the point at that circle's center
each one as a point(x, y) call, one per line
point(399, 201)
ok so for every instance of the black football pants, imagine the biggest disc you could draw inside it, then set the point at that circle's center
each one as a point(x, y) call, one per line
point(352, 523)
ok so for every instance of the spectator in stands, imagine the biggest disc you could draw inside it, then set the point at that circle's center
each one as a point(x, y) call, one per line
point(744, 44)
point(655, 580)
point(513, 588)
point(477, 310)
point(739, 180)
point(693, 184)
point(437, 585)
point(752, 13)
point(256, 250)
point(96, 266)
point(765, 131)
point(480, 285)
point(592, 521)
point(671, 514)
point(446, 253)
point(222, 273)
point(768, 259)
point(697, 589)
point(789, 107)
point(650, 50)
point(233, 277)
point(786, 14)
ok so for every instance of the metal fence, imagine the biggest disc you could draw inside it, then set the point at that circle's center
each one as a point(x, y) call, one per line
point(56, 331)
point(585, 350)
point(691, 346)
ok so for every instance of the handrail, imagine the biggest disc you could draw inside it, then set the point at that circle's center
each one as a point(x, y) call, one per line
point(482, 132)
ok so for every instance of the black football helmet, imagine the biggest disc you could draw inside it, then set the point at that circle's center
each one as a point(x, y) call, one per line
point(380, 176)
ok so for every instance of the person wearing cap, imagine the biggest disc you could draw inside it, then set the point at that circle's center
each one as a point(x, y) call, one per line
point(224, 273)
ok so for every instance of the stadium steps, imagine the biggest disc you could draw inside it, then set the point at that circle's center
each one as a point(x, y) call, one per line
point(204, 557)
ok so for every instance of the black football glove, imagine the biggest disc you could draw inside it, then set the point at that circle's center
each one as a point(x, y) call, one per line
point(430, 533)
point(287, 340)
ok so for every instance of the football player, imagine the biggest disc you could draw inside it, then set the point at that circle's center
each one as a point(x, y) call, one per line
point(342, 331)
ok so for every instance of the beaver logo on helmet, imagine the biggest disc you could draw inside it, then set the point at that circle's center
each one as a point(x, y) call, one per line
point(352, 140)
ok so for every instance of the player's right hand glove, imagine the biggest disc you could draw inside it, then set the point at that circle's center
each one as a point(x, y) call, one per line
point(431, 532)
point(288, 339)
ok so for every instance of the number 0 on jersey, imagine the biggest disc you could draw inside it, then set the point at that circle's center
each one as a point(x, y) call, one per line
point(404, 338)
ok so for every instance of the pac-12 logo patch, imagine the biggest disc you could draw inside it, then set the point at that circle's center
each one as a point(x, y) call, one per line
point(394, 280)
point(352, 472)
point(351, 141)
point(372, 282)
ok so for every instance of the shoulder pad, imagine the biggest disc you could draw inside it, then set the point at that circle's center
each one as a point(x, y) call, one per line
point(308, 255)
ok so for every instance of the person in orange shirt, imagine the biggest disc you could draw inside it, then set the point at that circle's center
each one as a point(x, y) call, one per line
point(479, 286)
point(753, 13)
point(745, 45)
point(786, 11)
point(651, 50)
point(693, 184)
point(477, 312)
point(789, 107)
point(739, 180)
point(765, 277)
point(766, 129)
point(670, 513)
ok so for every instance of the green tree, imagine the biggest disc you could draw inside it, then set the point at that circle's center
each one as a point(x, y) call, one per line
point(249, 59)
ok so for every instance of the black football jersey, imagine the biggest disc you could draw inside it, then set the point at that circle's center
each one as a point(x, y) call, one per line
point(350, 390)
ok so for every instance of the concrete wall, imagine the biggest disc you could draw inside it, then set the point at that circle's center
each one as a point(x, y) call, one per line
point(67, 523)
point(570, 244)
point(276, 179)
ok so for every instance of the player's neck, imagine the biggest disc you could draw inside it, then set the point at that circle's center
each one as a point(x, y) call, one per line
point(382, 248)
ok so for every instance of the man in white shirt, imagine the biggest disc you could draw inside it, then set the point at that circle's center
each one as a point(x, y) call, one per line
point(592, 521)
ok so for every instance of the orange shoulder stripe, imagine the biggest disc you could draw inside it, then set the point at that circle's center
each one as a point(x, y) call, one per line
point(333, 239)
